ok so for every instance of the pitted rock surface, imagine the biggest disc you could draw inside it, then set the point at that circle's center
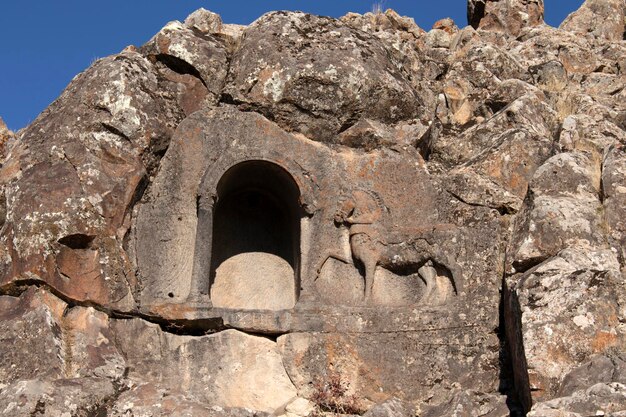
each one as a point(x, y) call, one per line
point(308, 216)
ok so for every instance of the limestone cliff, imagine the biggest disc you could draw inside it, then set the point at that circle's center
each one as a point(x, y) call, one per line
point(308, 216)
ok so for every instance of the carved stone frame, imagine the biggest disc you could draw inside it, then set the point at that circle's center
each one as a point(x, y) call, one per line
point(206, 203)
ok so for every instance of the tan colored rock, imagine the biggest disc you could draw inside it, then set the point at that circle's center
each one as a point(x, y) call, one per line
point(614, 199)
point(603, 19)
point(256, 281)
point(91, 346)
point(499, 176)
point(549, 76)
point(300, 407)
point(407, 176)
point(370, 371)
point(178, 48)
point(153, 400)
point(97, 151)
point(564, 209)
point(570, 308)
point(5, 136)
point(228, 369)
point(599, 399)
point(471, 404)
point(63, 397)
point(205, 21)
point(389, 289)
point(31, 338)
point(510, 16)
point(308, 87)
point(528, 112)
point(391, 408)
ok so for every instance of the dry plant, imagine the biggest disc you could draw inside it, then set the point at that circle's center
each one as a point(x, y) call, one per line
point(377, 7)
point(330, 396)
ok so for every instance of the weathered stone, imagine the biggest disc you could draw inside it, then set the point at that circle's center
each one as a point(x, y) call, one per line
point(185, 53)
point(528, 112)
point(90, 349)
point(152, 400)
point(30, 337)
point(564, 209)
point(470, 403)
point(599, 369)
point(228, 369)
point(538, 47)
point(255, 281)
point(357, 188)
point(375, 378)
point(614, 199)
point(438, 38)
point(300, 407)
point(5, 136)
point(510, 17)
point(584, 21)
point(499, 176)
point(98, 139)
point(63, 397)
point(476, 68)
point(598, 400)
point(391, 408)
point(567, 309)
point(585, 133)
point(311, 75)
point(550, 76)
point(204, 21)
point(385, 25)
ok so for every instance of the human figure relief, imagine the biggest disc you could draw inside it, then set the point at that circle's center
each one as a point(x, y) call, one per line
point(362, 213)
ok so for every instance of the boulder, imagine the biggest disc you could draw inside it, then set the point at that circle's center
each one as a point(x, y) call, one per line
point(509, 17)
point(100, 139)
point(316, 76)
point(31, 337)
point(227, 369)
point(600, 399)
point(562, 211)
point(567, 309)
point(584, 21)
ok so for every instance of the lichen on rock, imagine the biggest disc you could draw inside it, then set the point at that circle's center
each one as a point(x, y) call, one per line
point(310, 215)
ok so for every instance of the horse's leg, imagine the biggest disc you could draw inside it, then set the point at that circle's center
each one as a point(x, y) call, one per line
point(456, 276)
point(370, 271)
point(429, 275)
point(365, 251)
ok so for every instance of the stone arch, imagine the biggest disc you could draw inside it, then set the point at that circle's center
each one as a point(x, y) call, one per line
point(248, 239)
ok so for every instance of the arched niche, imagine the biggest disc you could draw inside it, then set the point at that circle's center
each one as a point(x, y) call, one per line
point(255, 248)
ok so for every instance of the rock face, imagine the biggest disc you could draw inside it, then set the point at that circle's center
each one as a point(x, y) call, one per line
point(585, 20)
point(308, 216)
point(508, 16)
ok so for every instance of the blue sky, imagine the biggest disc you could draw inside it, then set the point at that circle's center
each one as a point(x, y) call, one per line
point(45, 43)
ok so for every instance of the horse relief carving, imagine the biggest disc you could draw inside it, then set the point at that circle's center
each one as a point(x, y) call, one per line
point(363, 212)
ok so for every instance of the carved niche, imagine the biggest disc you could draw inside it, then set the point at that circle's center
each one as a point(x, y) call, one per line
point(248, 243)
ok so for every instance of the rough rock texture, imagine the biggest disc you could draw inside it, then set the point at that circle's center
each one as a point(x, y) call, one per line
point(507, 16)
point(287, 69)
point(5, 136)
point(585, 20)
point(309, 216)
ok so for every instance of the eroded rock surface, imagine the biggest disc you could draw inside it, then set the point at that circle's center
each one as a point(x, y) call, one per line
point(311, 215)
